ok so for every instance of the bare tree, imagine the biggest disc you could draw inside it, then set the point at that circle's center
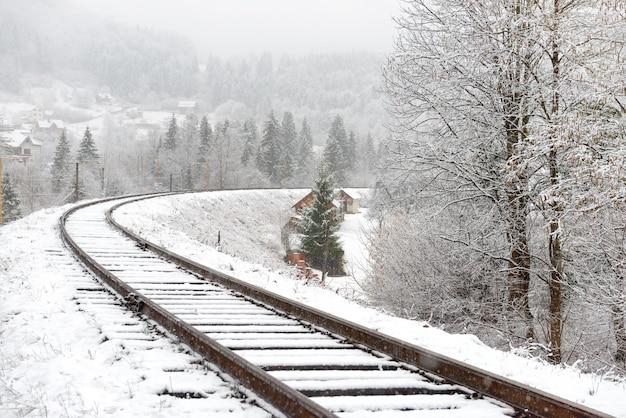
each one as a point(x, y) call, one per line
point(499, 108)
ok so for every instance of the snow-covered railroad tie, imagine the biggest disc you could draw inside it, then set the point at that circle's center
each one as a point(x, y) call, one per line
point(301, 361)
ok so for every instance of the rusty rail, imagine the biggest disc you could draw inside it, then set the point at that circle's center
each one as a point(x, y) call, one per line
point(285, 399)
point(527, 401)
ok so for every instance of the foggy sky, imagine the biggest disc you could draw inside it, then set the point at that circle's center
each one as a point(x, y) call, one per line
point(242, 27)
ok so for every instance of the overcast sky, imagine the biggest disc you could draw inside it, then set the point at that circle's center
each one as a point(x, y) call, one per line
point(242, 27)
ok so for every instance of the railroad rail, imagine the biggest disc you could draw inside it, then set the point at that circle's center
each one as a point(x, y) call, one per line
point(302, 361)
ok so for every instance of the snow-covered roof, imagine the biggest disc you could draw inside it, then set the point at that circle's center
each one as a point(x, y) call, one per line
point(17, 138)
point(187, 104)
point(358, 193)
point(50, 123)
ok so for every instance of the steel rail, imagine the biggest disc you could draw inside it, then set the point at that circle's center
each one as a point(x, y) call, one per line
point(527, 401)
point(288, 401)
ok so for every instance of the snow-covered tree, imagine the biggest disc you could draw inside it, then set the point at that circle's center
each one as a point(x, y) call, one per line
point(496, 113)
point(305, 156)
point(189, 136)
point(10, 200)
point(366, 163)
point(319, 225)
point(250, 136)
point(61, 170)
point(172, 134)
point(269, 161)
point(87, 150)
point(206, 140)
point(335, 156)
point(288, 145)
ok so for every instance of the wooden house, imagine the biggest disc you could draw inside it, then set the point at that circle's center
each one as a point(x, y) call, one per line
point(23, 145)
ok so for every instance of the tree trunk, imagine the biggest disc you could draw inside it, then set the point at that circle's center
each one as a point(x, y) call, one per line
point(519, 263)
point(618, 316)
point(517, 196)
point(325, 253)
point(556, 273)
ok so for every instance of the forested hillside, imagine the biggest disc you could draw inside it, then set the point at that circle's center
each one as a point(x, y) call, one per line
point(42, 41)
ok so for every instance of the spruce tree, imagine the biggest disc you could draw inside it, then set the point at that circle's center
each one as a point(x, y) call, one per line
point(351, 151)
point(335, 158)
point(87, 150)
point(171, 136)
point(206, 139)
point(305, 147)
point(10, 201)
point(319, 226)
point(288, 145)
point(61, 164)
point(250, 141)
point(269, 159)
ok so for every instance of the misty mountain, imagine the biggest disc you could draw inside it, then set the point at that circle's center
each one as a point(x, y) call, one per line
point(54, 38)
point(42, 41)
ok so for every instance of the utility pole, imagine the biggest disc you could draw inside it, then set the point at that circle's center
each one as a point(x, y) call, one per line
point(76, 185)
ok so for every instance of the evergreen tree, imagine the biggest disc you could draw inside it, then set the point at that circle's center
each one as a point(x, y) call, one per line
point(335, 158)
point(320, 223)
point(60, 170)
point(87, 150)
point(269, 157)
point(366, 161)
point(288, 145)
point(206, 139)
point(305, 147)
point(368, 153)
point(171, 137)
point(250, 137)
point(350, 151)
point(10, 201)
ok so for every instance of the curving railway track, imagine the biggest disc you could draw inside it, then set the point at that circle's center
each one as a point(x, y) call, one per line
point(302, 362)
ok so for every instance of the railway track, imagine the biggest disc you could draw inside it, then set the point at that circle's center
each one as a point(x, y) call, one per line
point(301, 361)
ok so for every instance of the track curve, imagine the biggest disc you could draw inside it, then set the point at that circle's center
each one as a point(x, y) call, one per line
point(302, 361)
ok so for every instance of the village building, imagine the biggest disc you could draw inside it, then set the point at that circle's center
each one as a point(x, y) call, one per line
point(32, 115)
point(48, 129)
point(187, 106)
point(23, 145)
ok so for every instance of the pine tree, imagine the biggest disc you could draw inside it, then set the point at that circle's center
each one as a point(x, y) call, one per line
point(206, 139)
point(10, 201)
point(250, 136)
point(368, 153)
point(305, 147)
point(350, 151)
point(288, 145)
point(335, 158)
point(320, 223)
point(269, 157)
point(60, 170)
point(171, 137)
point(87, 150)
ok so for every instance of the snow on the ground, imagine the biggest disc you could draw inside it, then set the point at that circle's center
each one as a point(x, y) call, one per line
point(55, 361)
point(52, 362)
point(249, 223)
